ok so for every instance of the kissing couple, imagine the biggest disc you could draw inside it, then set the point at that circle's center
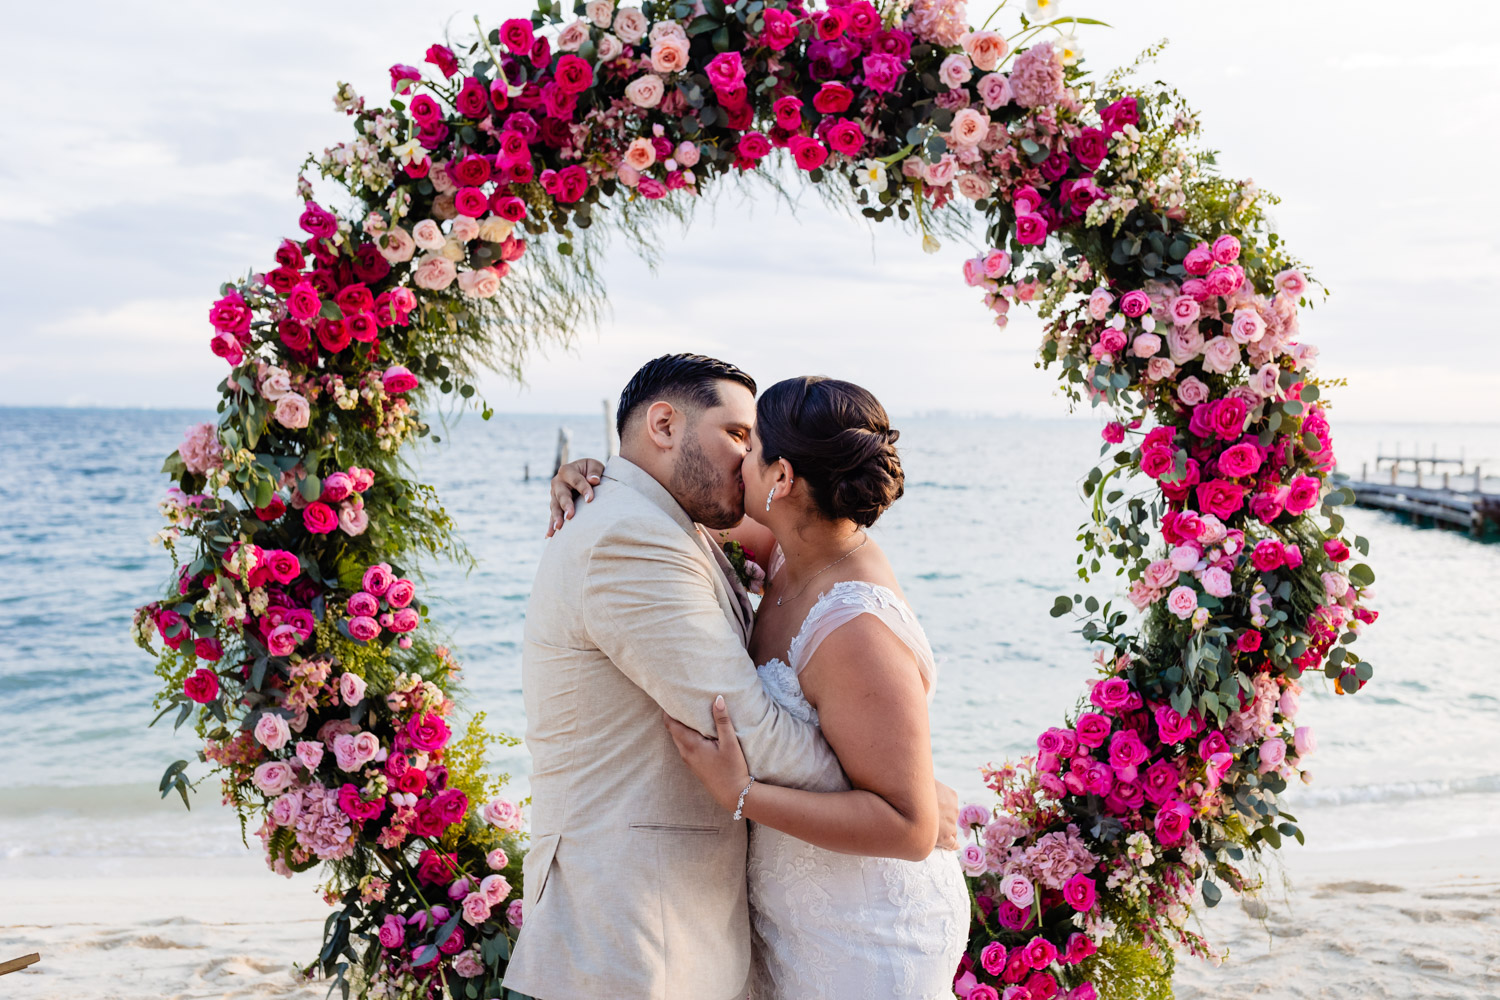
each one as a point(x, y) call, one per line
point(728, 800)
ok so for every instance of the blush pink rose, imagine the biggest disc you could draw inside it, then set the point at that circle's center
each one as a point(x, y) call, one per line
point(396, 245)
point(274, 777)
point(310, 753)
point(972, 860)
point(1183, 310)
point(1220, 354)
point(1272, 755)
point(1182, 602)
point(669, 54)
point(644, 91)
point(495, 887)
point(434, 273)
point(1160, 574)
point(497, 859)
point(476, 908)
point(292, 411)
point(351, 688)
point(985, 49)
point(1145, 345)
point(969, 128)
point(1216, 581)
point(994, 90)
point(514, 913)
point(955, 71)
point(502, 814)
point(1291, 283)
point(1018, 889)
point(1192, 391)
point(272, 732)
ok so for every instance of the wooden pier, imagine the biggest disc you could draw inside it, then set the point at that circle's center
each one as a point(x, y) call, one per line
point(1443, 500)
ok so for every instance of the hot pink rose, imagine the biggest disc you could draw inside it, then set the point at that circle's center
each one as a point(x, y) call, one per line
point(1239, 460)
point(398, 379)
point(319, 518)
point(1172, 823)
point(201, 686)
point(1079, 891)
point(405, 620)
point(1092, 729)
point(364, 628)
point(363, 605)
point(400, 593)
point(1304, 494)
point(377, 579)
point(427, 732)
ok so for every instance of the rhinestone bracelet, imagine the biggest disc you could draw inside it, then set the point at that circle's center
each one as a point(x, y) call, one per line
point(740, 806)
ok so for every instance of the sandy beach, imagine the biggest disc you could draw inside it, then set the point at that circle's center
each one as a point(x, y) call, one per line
point(1413, 921)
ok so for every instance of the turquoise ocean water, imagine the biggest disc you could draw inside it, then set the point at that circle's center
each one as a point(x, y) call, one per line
point(983, 541)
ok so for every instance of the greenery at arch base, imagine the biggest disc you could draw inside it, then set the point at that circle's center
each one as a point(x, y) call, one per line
point(478, 198)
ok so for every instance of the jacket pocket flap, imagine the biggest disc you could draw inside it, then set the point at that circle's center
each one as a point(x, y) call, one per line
point(537, 865)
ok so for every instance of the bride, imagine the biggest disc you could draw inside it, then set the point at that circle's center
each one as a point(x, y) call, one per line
point(848, 898)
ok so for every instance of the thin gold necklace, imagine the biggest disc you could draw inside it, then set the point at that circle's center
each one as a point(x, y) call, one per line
point(825, 569)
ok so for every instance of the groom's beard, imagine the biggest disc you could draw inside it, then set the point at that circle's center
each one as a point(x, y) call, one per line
point(705, 493)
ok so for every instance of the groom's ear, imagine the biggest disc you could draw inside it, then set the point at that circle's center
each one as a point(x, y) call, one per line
point(664, 425)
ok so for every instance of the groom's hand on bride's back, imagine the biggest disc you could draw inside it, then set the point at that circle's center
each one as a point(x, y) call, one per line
point(947, 803)
point(574, 480)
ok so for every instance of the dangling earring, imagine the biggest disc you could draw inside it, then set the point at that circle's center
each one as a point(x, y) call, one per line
point(769, 497)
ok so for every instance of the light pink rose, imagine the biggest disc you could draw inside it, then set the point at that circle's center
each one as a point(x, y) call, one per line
point(1336, 585)
point(310, 753)
point(644, 92)
point(1184, 344)
point(480, 283)
point(1182, 602)
point(600, 12)
point(1184, 558)
point(514, 913)
point(610, 48)
point(274, 777)
point(1216, 581)
point(1160, 574)
point(1158, 369)
point(1145, 345)
point(434, 273)
point(1266, 380)
point(285, 809)
point(994, 90)
point(1291, 283)
point(630, 25)
point(1287, 704)
point(996, 264)
point(396, 245)
point(429, 235)
point(497, 859)
point(942, 172)
point(571, 37)
point(468, 964)
point(476, 908)
point(1220, 355)
point(271, 731)
point(351, 688)
point(955, 71)
point(1272, 753)
point(355, 750)
point(276, 382)
point(495, 888)
point(972, 860)
point(352, 518)
point(502, 814)
point(292, 411)
point(664, 29)
point(1248, 327)
point(441, 182)
point(1184, 310)
point(669, 54)
point(1018, 889)
point(1192, 391)
point(969, 127)
point(1307, 743)
point(985, 49)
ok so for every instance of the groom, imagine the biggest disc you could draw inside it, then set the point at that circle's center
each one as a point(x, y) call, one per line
point(635, 881)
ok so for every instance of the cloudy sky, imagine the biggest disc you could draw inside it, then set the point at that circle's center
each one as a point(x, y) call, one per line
point(154, 152)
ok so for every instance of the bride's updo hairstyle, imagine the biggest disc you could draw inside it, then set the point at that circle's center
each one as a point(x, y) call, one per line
point(838, 440)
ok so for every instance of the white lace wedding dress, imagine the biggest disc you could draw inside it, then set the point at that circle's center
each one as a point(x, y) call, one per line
point(835, 926)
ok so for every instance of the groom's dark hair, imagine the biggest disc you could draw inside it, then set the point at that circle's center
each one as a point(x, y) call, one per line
point(684, 379)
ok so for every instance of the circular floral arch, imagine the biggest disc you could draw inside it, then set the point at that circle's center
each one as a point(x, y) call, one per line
point(294, 641)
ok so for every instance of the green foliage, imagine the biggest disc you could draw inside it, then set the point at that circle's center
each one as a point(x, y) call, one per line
point(1129, 972)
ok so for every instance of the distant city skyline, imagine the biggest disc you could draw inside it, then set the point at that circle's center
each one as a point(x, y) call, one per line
point(121, 213)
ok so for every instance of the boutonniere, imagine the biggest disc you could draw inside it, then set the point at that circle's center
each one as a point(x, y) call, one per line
point(751, 576)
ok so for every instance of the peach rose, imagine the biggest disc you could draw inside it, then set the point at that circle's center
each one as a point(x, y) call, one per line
point(495, 229)
point(441, 182)
point(434, 273)
point(480, 283)
point(973, 187)
point(452, 249)
point(669, 54)
point(464, 229)
point(571, 37)
point(1145, 345)
point(275, 383)
point(630, 25)
point(396, 246)
point(292, 412)
point(969, 128)
point(429, 235)
point(640, 154)
point(442, 207)
point(645, 92)
point(601, 12)
point(985, 49)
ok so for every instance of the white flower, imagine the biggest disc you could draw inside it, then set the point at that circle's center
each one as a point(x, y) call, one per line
point(930, 243)
point(1043, 10)
point(871, 174)
point(408, 151)
point(1069, 48)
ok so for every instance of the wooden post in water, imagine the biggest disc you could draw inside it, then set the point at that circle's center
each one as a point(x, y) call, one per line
point(1418, 467)
point(564, 440)
point(611, 436)
point(1364, 472)
point(1393, 475)
point(1478, 481)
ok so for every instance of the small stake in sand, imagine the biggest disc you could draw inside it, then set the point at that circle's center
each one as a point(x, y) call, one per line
point(17, 964)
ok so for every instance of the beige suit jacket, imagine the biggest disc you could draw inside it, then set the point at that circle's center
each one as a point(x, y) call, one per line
point(635, 881)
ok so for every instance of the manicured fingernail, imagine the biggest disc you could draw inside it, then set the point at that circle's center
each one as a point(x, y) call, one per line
point(719, 701)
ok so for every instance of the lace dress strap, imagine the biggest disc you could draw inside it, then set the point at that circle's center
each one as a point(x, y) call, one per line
point(846, 601)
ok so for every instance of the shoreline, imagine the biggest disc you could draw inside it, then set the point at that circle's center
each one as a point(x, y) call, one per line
point(1419, 920)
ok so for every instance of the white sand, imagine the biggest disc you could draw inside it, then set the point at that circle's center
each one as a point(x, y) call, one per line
point(1415, 921)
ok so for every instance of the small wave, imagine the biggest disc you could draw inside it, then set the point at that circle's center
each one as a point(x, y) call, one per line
point(1399, 791)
